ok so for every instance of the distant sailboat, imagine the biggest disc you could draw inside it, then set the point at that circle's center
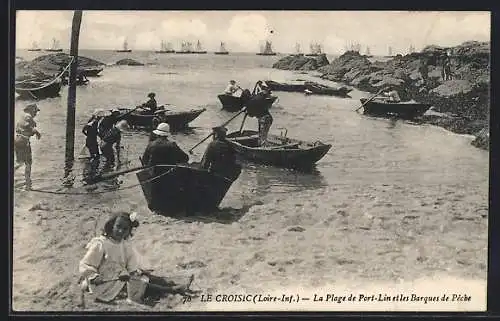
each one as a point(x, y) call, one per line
point(125, 47)
point(186, 48)
point(297, 49)
point(165, 48)
point(267, 50)
point(55, 46)
point(389, 52)
point(368, 53)
point(222, 50)
point(34, 47)
point(199, 48)
point(411, 49)
point(316, 50)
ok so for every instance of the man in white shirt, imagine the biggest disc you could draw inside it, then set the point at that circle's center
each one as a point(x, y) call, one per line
point(392, 95)
point(232, 88)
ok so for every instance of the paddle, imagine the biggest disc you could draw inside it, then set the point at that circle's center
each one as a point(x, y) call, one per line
point(370, 99)
point(129, 112)
point(227, 122)
point(102, 177)
point(243, 122)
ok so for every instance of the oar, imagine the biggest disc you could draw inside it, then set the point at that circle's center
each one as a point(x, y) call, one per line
point(210, 135)
point(243, 122)
point(102, 177)
point(129, 112)
point(370, 99)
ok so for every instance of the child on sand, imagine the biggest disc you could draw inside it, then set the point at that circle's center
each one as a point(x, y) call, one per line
point(111, 262)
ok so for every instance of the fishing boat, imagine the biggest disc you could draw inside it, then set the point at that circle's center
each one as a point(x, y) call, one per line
point(281, 151)
point(34, 47)
point(267, 50)
point(222, 50)
point(90, 71)
point(165, 48)
point(385, 108)
point(186, 48)
point(125, 47)
point(319, 89)
point(199, 48)
point(38, 89)
point(177, 120)
point(55, 46)
point(183, 188)
point(316, 50)
point(233, 103)
point(290, 87)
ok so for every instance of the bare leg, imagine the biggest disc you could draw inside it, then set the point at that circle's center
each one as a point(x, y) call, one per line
point(27, 176)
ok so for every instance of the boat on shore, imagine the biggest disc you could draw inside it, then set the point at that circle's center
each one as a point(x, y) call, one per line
point(55, 46)
point(90, 71)
point(233, 103)
point(281, 151)
point(222, 50)
point(125, 47)
point(267, 50)
point(385, 108)
point(177, 120)
point(183, 188)
point(309, 87)
point(38, 89)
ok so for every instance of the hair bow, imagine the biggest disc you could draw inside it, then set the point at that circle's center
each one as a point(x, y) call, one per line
point(133, 216)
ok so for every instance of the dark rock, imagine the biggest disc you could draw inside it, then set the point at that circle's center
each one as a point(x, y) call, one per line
point(301, 62)
point(129, 62)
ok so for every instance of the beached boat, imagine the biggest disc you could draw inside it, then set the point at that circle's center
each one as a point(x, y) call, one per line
point(290, 87)
point(282, 151)
point(177, 120)
point(222, 50)
point(125, 47)
point(38, 89)
point(267, 50)
point(55, 46)
point(90, 71)
point(319, 89)
point(183, 188)
point(232, 103)
point(384, 108)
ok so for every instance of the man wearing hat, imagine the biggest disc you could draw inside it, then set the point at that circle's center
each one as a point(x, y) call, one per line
point(90, 130)
point(107, 122)
point(25, 128)
point(162, 150)
point(113, 137)
point(151, 104)
point(220, 157)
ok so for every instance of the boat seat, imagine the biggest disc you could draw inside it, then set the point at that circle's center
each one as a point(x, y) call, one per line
point(293, 145)
point(243, 138)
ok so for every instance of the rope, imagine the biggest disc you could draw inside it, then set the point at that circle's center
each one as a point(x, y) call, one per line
point(50, 82)
point(102, 192)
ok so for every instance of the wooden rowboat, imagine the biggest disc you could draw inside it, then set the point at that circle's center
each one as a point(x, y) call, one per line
point(38, 89)
point(233, 104)
point(282, 151)
point(177, 120)
point(183, 188)
point(405, 110)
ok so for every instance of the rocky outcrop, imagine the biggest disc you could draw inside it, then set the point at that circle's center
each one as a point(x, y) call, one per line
point(129, 62)
point(47, 66)
point(301, 62)
point(419, 76)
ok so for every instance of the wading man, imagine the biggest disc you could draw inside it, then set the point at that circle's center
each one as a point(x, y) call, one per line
point(113, 137)
point(25, 128)
point(220, 157)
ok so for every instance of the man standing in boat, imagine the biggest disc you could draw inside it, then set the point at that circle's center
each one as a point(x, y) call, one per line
point(255, 108)
point(232, 88)
point(261, 89)
point(151, 104)
point(220, 156)
point(162, 150)
point(25, 128)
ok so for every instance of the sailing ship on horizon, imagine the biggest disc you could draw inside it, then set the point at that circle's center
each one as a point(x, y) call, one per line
point(125, 47)
point(55, 46)
point(267, 50)
point(165, 47)
point(389, 52)
point(34, 47)
point(199, 48)
point(368, 54)
point(298, 51)
point(315, 50)
point(222, 50)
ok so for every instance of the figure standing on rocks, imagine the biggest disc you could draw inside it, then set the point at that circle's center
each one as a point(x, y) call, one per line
point(424, 70)
point(25, 128)
point(447, 69)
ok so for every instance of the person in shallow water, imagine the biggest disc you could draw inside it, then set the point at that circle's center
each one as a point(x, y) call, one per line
point(161, 150)
point(113, 137)
point(151, 104)
point(25, 128)
point(107, 122)
point(220, 156)
point(112, 268)
point(90, 131)
point(255, 108)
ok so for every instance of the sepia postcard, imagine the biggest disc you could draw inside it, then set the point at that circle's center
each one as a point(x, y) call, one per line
point(250, 161)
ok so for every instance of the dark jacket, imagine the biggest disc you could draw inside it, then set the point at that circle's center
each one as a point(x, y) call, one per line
point(105, 124)
point(220, 158)
point(256, 106)
point(90, 129)
point(165, 152)
point(151, 104)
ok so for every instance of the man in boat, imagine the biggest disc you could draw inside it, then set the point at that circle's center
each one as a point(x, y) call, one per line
point(162, 151)
point(392, 95)
point(90, 130)
point(262, 89)
point(107, 122)
point(232, 88)
point(255, 108)
point(151, 104)
point(113, 137)
point(25, 128)
point(220, 156)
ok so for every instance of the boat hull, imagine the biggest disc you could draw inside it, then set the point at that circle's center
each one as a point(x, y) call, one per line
point(179, 188)
point(176, 120)
point(403, 110)
point(233, 104)
point(313, 88)
point(283, 152)
point(221, 53)
point(25, 92)
point(128, 50)
point(90, 72)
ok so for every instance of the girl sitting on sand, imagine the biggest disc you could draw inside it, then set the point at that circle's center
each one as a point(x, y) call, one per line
point(111, 262)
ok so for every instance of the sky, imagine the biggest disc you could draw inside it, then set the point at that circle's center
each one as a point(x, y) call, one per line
point(246, 31)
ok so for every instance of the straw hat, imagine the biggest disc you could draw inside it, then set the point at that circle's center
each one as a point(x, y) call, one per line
point(163, 129)
point(122, 125)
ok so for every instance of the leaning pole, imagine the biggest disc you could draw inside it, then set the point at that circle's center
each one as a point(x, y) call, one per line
point(70, 115)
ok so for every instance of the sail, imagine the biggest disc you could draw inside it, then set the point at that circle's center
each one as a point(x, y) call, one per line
point(198, 46)
point(34, 45)
point(267, 49)
point(125, 45)
point(222, 47)
point(390, 51)
point(54, 43)
point(297, 48)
